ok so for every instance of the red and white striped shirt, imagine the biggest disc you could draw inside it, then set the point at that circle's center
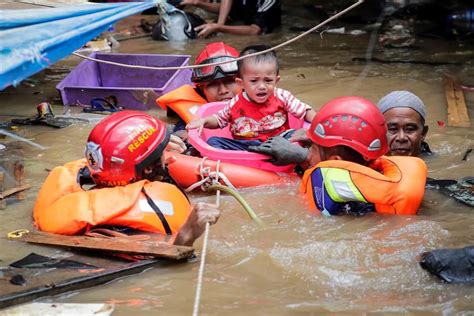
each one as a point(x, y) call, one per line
point(249, 120)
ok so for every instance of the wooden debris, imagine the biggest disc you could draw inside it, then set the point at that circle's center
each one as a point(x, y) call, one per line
point(57, 309)
point(457, 110)
point(150, 247)
point(3, 203)
point(50, 282)
point(14, 190)
point(402, 61)
point(19, 174)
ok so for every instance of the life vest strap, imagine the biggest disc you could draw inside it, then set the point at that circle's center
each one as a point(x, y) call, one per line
point(158, 212)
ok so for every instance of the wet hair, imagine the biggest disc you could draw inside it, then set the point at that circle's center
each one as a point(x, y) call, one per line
point(266, 57)
point(346, 153)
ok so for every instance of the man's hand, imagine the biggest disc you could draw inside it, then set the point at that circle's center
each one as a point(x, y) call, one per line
point(176, 145)
point(188, 2)
point(283, 151)
point(205, 30)
point(194, 227)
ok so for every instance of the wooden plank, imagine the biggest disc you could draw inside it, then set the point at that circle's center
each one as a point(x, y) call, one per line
point(457, 110)
point(3, 203)
point(151, 247)
point(57, 309)
point(50, 282)
point(19, 172)
point(14, 190)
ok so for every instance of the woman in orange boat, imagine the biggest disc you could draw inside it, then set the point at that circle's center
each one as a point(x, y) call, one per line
point(212, 84)
point(346, 171)
point(124, 159)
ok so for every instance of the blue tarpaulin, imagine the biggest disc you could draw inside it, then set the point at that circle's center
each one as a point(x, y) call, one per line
point(31, 40)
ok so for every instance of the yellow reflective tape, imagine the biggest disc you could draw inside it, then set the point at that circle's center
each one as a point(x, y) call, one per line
point(339, 185)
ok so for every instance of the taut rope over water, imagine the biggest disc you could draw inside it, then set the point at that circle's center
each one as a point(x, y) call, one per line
point(335, 16)
point(197, 298)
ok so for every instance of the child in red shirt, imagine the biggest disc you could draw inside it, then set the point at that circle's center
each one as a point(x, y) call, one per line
point(261, 110)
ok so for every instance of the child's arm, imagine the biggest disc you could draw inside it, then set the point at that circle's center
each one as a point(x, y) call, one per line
point(309, 116)
point(300, 134)
point(218, 120)
point(294, 106)
point(207, 122)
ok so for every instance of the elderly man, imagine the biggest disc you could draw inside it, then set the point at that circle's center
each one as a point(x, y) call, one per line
point(405, 115)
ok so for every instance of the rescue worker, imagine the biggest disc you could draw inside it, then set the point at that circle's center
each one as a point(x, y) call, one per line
point(346, 171)
point(212, 84)
point(116, 185)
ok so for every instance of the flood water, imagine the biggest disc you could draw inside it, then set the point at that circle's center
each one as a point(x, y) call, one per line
point(299, 263)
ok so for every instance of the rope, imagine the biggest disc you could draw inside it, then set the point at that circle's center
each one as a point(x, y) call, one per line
point(197, 298)
point(209, 177)
point(210, 181)
point(233, 60)
point(213, 178)
point(239, 198)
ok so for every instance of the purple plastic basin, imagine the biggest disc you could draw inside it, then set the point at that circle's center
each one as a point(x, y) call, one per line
point(133, 88)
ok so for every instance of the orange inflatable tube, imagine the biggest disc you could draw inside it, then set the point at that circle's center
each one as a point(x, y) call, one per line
point(185, 170)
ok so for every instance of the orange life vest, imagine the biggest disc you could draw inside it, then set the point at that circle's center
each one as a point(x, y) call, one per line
point(63, 207)
point(395, 185)
point(185, 101)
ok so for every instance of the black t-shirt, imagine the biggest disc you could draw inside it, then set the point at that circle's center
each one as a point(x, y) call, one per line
point(425, 150)
point(264, 13)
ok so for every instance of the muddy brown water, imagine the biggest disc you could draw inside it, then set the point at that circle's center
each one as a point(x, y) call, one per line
point(298, 263)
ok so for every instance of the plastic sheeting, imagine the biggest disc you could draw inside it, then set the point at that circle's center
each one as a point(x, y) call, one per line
point(31, 40)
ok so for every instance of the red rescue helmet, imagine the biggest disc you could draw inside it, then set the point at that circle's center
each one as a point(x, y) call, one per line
point(212, 53)
point(351, 121)
point(122, 145)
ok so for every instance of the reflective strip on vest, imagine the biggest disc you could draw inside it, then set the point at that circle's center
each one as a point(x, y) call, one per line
point(166, 207)
point(340, 186)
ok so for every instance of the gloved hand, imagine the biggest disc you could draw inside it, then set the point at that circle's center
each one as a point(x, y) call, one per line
point(283, 151)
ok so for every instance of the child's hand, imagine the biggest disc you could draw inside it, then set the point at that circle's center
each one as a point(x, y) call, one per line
point(196, 124)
